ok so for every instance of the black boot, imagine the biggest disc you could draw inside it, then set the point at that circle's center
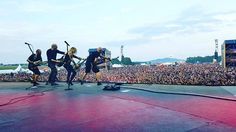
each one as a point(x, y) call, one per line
point(99, 83)
point(81, 82)
point(71, 83)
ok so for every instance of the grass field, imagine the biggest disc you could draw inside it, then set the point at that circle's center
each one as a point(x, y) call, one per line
point(9, 67)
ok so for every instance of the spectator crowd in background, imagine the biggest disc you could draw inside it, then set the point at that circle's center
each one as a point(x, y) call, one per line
point(181, 74)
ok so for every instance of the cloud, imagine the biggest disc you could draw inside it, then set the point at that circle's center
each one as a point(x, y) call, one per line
point(155, 29)
point(190, 21)
point(46, 7)
point(191, 34)
point(127, 10)
point(87, 25)
point(134, 41)
point(43, 6)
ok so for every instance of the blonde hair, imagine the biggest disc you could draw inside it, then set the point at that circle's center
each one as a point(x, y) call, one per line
point(73, 50)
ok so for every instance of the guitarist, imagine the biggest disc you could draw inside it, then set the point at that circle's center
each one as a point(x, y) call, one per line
point(52, 61)
point(34, 61)
point(92, 65)
point(67, 64)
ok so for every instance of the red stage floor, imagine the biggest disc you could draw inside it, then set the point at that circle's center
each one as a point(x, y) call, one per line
point(89, 108)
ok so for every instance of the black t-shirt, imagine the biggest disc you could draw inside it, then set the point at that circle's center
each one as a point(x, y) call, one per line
point(67, 59)
point(92, 56)
point(34, 58)
point(52, 54)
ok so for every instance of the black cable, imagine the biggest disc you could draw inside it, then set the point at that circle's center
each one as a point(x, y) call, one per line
point(29, 95)
point(18, 99)
point(180, 93)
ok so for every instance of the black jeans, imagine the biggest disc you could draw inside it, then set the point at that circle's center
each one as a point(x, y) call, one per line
point(71, 73)
point(53, 74)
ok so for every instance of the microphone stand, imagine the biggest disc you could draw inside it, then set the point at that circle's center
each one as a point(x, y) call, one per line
point(29, 47)
point(67, 45)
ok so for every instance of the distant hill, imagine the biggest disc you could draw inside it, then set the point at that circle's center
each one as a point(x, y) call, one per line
point(202, 59)
point(165, 60)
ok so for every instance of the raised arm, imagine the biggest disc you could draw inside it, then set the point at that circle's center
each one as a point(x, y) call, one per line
point(61, 52)
point(79, 58)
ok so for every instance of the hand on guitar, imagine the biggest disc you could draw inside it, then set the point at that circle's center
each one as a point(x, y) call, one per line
point(103, 60)
point(33, 64)
point(108, 59)
point(59, 62)
point(37, 62)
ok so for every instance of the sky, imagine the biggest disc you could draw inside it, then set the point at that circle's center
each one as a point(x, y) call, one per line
point(148, 29)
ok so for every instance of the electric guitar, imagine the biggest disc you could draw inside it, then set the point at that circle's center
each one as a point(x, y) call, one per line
point(77, 65)
point(36, 64)
point(61, 61)
point(103, 60)
point(33, 64)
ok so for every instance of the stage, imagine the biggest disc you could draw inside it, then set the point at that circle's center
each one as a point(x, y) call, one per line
point(89, 108)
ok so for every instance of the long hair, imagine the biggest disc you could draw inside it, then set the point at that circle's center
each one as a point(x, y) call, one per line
point(38, 52)
point(73, 50)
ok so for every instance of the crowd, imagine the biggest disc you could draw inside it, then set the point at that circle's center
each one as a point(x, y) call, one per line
point(181, 74)
point(12, 77)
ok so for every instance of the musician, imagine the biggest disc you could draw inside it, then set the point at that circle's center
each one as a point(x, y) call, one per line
point(34, 61)
point(91, 65)
point(52, 61)
point(67, 64)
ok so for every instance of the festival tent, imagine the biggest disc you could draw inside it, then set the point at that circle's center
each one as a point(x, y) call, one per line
point(19, 69)
point(117, 65)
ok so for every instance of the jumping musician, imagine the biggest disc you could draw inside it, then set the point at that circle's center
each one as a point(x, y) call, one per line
point(91, 64)
point(68, 61)
point(34, 61)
